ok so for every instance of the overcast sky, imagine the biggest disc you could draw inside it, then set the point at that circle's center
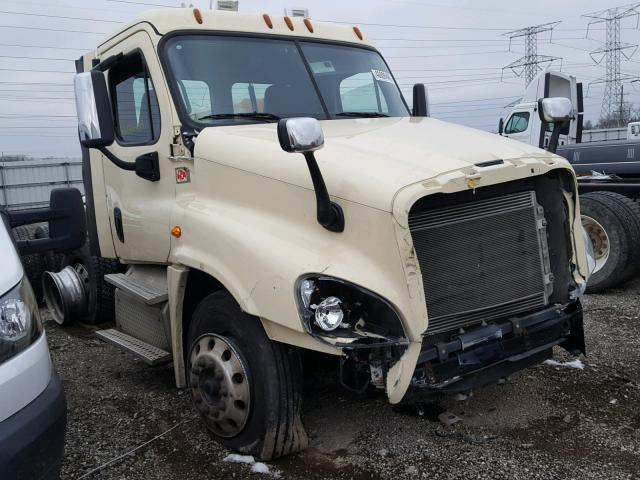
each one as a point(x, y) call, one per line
point(460, 60)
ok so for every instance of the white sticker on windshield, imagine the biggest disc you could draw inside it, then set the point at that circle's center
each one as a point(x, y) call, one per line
point(382, 76)
point(322, 67)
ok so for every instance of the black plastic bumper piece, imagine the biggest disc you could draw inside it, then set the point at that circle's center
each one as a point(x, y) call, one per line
point(32, 440)
point(483, 355)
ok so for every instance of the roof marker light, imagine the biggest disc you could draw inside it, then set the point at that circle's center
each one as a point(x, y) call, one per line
point(358, 32)
point(289, 23)
point(307, 22)
point(267, 20)
point(197, 15)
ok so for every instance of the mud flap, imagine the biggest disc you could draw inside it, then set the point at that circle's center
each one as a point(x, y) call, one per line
point(400, 375)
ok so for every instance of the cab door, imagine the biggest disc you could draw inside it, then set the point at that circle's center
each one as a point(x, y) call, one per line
point(518, 126)
point(140, 210)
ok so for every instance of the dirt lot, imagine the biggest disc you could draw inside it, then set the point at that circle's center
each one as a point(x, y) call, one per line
point(545, 422)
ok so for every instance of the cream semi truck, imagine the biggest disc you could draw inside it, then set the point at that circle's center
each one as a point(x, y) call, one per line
point(266, 191)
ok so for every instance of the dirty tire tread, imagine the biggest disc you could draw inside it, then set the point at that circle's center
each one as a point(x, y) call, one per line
point(52, 260)
point(33, 263)
point(279, 426)
point(630, 210)
point(621, 219)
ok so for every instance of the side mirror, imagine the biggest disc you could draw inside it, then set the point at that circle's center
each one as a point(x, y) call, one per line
point(420, 101)
point(95, 124)
point(300, 135)
point(304, 135)
point(501, 126)
point(67, 223)
point(555, 109)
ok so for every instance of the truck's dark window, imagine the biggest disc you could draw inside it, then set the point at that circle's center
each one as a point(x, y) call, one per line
point(229, 65)
point(135, 105)
point(248, 75)
point(518, 122)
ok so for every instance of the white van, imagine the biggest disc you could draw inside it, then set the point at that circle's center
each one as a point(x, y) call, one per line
point(32, 402)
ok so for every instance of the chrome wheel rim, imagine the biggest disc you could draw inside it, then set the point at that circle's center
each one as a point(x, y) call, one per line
point(219, 384)
point(599, 239)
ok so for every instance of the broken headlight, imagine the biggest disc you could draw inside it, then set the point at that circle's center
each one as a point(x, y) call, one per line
point(20, 322)
point(346, 314)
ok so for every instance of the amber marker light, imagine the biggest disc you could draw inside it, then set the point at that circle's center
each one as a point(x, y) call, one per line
point(289, 23)
point(197, 15)
point(358, 32)
point(267, 20)
point(176, 232)
point(309, 25)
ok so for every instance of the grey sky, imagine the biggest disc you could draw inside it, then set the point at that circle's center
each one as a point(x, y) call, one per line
point(460, 61)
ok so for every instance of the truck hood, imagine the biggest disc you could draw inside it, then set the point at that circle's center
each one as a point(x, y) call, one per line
point(363, 160)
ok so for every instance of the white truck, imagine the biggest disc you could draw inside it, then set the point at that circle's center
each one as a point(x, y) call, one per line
point(430, 257)
point(608, 176)
point(33, 408)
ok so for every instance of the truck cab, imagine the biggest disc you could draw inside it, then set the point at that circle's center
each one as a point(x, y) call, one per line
point(523, 122)
point(268, 191)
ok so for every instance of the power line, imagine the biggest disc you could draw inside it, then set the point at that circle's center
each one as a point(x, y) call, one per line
point(529, 64)
point(37, 58)
point(35, 71)
point(611, 52)
point(52, 29)
point(40, 46)
point(430, 27)
point(60, 16)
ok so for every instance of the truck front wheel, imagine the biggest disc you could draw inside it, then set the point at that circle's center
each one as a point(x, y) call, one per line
point(246, 388)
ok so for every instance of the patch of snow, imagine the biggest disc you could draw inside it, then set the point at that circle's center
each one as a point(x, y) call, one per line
point(577, 363)
point(235, 458)
point(260, 467)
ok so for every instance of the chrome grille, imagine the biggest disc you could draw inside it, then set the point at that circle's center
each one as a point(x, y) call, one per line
point(482, 260)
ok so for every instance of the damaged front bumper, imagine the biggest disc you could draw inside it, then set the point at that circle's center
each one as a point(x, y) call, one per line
point(483, 355)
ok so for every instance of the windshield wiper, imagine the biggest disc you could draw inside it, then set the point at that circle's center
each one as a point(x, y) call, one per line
point(265, 117)
point(361, 114)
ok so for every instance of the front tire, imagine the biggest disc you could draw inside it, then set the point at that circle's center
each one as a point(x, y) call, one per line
point(246, 387)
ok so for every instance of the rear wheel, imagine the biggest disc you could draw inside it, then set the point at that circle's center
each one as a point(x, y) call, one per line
point(612, 222)
point(246, 388)
point(33, 263)
point(100, 294)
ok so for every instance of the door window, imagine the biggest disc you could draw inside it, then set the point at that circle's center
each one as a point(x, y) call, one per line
point(517, 123)
point(135, 105)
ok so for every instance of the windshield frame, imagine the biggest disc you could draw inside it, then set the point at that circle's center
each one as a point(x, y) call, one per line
point(194, 125)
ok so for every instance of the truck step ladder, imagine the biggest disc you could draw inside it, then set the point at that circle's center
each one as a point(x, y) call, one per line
point(145, 351)
point(147, 292)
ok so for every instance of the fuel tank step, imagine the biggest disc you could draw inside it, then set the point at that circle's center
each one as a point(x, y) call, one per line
point(144, 351)
point(142, 287)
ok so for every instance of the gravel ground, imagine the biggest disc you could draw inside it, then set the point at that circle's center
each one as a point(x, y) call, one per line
point(544, 422)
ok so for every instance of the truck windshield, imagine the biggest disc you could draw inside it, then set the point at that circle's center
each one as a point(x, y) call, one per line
point(223, 80)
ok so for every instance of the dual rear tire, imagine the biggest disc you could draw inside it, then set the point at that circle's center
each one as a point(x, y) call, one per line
point(612, 222)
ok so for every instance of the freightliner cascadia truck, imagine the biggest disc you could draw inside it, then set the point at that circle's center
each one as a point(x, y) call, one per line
point(257, 188)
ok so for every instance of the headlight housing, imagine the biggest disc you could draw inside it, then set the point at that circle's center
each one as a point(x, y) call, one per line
point(344, 314)
point(20, 323)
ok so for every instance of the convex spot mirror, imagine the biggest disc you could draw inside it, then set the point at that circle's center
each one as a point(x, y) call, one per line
point(555, 109)
point(95, 124)
point(300, 135)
